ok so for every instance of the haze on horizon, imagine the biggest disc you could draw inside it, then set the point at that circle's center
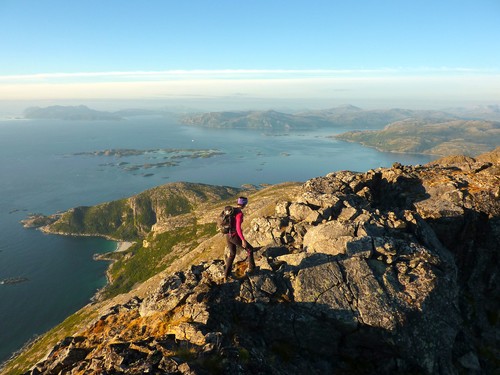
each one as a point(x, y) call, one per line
point(259, 54)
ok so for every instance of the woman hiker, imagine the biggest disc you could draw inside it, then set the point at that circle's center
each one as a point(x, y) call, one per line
point(236, 238)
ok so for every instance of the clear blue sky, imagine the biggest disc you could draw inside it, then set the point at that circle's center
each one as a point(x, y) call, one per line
point(323, 46)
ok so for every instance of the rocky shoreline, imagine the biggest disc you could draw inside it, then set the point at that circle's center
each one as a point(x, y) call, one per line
point(39, 220)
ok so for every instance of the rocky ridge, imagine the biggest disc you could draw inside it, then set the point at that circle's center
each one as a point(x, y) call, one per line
point(389, 271)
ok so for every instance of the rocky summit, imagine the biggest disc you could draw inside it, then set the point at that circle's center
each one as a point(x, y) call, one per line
point(392, 271)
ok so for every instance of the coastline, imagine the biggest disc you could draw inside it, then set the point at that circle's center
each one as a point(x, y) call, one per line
point(123, 245)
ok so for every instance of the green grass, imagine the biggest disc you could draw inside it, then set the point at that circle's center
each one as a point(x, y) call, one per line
point(114, 219)
point(147, 262)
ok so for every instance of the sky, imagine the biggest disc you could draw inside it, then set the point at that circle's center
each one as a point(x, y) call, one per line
point(372, 53)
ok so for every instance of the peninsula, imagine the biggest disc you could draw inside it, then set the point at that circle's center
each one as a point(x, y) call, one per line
point(431, 136)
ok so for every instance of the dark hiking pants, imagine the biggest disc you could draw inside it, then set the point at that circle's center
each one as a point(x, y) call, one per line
point(232, 243)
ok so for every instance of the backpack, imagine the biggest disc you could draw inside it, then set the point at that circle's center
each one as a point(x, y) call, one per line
point(225, 219)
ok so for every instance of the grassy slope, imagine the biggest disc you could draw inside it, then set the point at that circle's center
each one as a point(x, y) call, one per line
point(427, 137)
point(181, 240)
point(131, 219)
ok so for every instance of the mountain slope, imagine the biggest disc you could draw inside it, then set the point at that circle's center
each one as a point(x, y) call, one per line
point(436, 137)
point(252, 120)
point(345, 116)
point(132, 218)
point(388, 271)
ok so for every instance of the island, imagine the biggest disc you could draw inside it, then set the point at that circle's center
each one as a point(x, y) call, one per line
point(136, 159)
point(59, 112)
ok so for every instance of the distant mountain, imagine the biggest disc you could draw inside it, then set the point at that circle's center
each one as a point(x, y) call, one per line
point(59, 112)
point(484, 112)
point(453, 137)
point(355, 117)
point(131, 112)
point(345, 116)
point(253, 120)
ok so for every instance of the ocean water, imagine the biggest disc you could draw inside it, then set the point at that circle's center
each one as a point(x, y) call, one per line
point(46, 166)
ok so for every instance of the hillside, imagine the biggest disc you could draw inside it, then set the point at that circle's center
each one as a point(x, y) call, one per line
point(132, 218)
point(345, 116)
point(357, 118)
point(435, 137)
point(252, 120)
point(389, 271)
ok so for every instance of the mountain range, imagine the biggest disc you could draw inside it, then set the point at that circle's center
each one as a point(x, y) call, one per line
point(395, 130)
point(345, 116)
point(454, 131)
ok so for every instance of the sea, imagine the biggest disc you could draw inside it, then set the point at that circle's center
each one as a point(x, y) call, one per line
point(47, 166)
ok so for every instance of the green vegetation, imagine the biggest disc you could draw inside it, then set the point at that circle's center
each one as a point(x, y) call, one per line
point(178, 206)
point(145, 215)
point(114, 219)
point(131, 219)
point(453, 137)
point(171, 207)
point(140, 263)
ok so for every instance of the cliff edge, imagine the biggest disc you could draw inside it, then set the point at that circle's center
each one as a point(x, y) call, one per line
point(390, 271)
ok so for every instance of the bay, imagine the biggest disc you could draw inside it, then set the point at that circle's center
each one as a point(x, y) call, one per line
point(45, 167)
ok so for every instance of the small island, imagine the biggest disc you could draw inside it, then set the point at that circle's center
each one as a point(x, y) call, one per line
point(137, 160)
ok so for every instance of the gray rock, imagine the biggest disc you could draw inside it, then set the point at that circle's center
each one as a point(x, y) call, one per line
point(360, 247)
point(329, 238)
point(302, 212)
point(282, 209)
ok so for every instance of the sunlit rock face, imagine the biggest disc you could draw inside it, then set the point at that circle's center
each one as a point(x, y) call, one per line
point(389, 271)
